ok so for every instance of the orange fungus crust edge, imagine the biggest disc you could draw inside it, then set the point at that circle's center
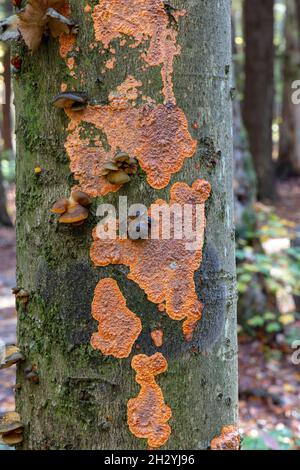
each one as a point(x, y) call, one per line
point(157, 136)
point(164, 269)
point(147, 413)
point(157, 337)
point(228, 440)
point(143, 20)
point(119, 328)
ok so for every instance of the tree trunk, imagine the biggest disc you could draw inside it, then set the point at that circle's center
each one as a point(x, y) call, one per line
point(244, 176)
point(6, 126)
point(81, 398)
point(259, 90)
point(297, 2)
point(289, 149)
point(5, 136)
point(4, 217)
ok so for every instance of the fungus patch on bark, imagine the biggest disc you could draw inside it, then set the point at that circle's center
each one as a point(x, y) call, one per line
point(228, 440)
point(146, 21)
point(119, 328)
point(157, 136)
point(148, 414)
point(164, 268)
point(157, 337)
point(66, 44)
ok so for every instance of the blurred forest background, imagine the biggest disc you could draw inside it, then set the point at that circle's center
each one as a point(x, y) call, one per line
point(266, 51)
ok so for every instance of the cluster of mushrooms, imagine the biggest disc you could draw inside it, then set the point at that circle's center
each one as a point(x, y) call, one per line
point(73, 210)
point(11, 427)
point(119, 169)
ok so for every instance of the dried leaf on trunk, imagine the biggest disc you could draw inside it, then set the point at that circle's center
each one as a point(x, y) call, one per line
point(41, 16)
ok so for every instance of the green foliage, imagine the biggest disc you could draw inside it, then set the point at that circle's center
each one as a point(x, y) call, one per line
point(7, 162)
point(277, 439)
point(269, 271)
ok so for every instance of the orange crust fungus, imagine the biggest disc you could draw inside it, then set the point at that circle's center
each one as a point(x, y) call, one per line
point(164, 268)
point(157, 136)
point(142, 20)
point(119, 328)
point(147, 413)
point(157, 337)
point(228, 440)
point(66, 44)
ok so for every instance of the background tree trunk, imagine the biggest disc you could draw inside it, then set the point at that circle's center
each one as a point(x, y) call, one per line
point(244, 175)
point(259, 90)
point(6, 125)
point(6, 135)
point(289, 150)
point(4, 217)
point(80, 401)
point(297, 2)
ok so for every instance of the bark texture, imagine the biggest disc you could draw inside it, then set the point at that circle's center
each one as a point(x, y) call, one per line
point(289, 150)
point(297, 3)
point(6, 135)
point(259, 90)
point(80, 401)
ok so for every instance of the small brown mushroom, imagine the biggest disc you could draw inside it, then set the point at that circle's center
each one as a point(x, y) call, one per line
point(118, 177)
point(60, 206)
point(31, 374)
point(108, 167)
point(11, 428)
point(12, 355)
point(8, 29)
point(80, 198)
point(22, 295)
point(73, 210)
point(77, 101)
point(74, 214)
point(119, 169)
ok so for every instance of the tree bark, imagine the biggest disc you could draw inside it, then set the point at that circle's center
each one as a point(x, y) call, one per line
point(6, 131)
point(6, 107)
point(289, 149)
point(259, 90)
point(80, 401)
point(297, 2)
point(4, 217)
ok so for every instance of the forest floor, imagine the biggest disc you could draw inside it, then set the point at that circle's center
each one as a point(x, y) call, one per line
point(269, 382)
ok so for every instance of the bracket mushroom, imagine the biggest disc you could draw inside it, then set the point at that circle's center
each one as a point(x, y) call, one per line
point(73, 210)
point(119, 169)
point(8, 29)
point(11, 428)
point(22, 295)
point(74, 100)
point(11, 355)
